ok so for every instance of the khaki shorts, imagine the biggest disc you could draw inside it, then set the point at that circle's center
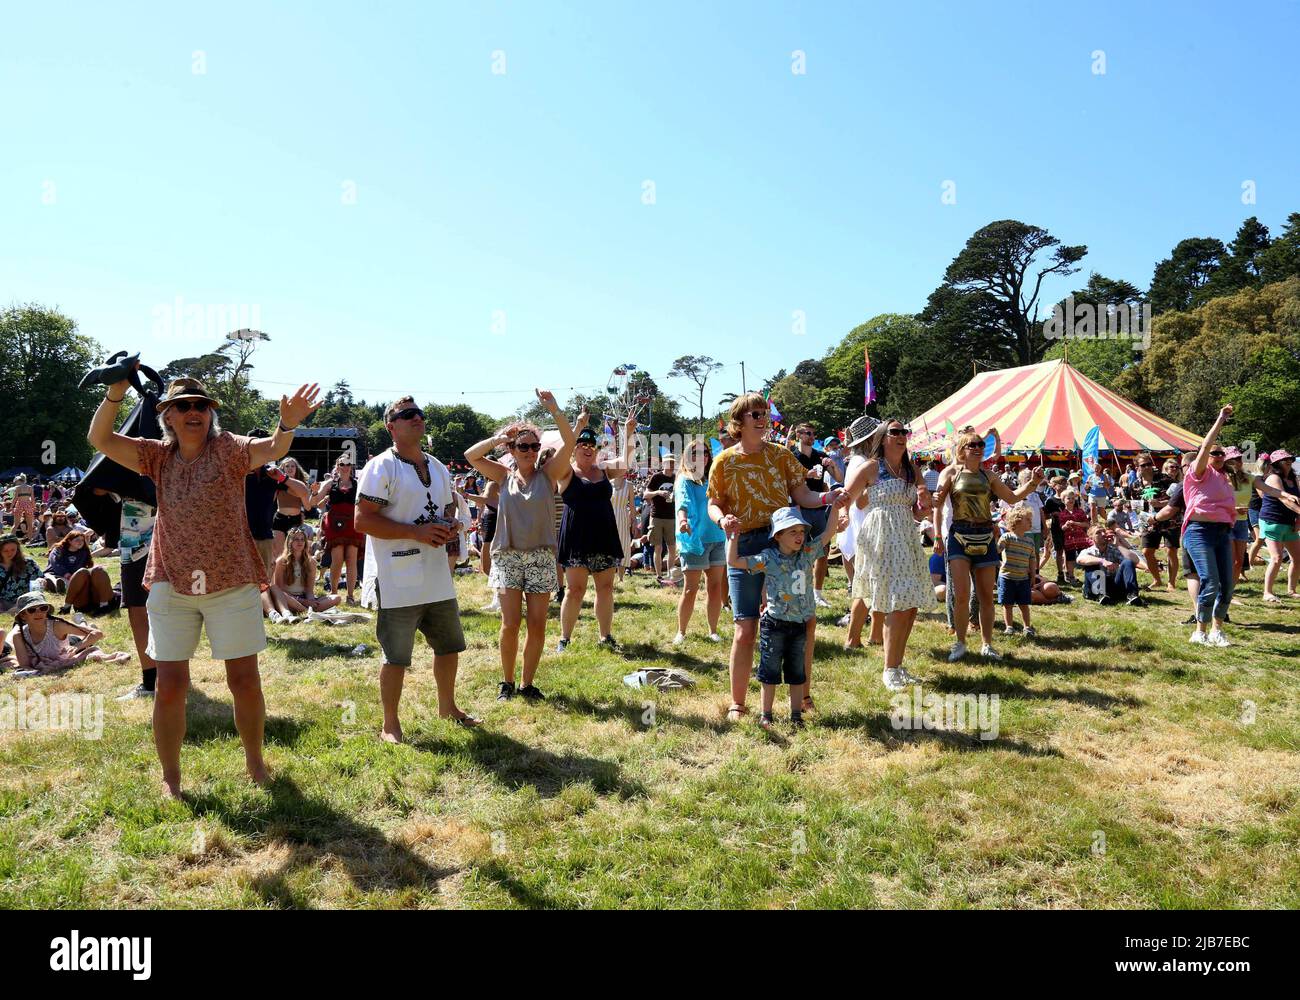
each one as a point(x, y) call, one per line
point(395, 629)
point(232, 617)
point(663, 531)
point(266, 549)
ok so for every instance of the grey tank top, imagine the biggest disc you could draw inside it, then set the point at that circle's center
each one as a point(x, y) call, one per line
point(525, 514)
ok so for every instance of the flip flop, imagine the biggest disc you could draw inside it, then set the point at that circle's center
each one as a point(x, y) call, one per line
point(117, 368)
point(735, 712)
point(466, 721)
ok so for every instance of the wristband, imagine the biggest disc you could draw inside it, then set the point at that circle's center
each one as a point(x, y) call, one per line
point(287, 430)
point(110, 399)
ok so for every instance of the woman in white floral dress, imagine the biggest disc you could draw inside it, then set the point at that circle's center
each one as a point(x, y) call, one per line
point(891, 571)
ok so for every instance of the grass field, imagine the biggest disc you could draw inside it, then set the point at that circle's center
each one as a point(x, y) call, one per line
point(1130, 770)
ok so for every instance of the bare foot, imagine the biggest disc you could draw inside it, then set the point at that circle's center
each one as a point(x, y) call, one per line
point(463, 718)
point(391, 735)
point(171, 789)
point(259, 774)
point(853, 645)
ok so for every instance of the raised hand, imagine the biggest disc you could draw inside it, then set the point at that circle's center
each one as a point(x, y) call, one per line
point(547, 399)
point(1226, 413)
point(303, 404)
point(581, 422)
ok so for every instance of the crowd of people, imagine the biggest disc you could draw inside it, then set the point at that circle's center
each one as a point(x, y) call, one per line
point(230, 544)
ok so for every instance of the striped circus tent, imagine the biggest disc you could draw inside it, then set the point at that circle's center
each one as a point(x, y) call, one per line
point(1048, 407)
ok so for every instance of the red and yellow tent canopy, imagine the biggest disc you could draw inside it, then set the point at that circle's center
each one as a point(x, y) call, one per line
point(1048, 407)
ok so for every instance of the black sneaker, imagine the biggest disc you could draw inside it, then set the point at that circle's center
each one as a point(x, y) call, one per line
point(562, 645)
point(1189, 620)
point(1136, 601)
point(610, 643)
point(531, 693)
point(505, 691)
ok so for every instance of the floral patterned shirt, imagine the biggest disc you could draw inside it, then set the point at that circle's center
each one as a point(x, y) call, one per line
point(201, 542)
point(752, 487)
point(789, 581)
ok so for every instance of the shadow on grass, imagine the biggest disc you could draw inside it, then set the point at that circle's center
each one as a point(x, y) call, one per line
point(988, 683)
point(516, 765)
point(528, 898)
point(880, 727)
point(1122, 644)
point(208, 719)
point(1268, 627)
point(330, 645)
point(632, 713)
point(642, 652)
point(315, 830)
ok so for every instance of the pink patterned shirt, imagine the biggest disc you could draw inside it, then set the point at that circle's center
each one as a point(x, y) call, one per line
point(201, 541)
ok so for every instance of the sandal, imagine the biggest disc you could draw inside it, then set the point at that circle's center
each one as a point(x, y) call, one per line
point(735, 712)
point(466, 721)
point(766, 721)
point(808, 705)
point(1272, 599)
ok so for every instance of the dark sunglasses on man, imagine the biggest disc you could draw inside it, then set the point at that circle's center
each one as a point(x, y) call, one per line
point(410, 413)
point(197, 405)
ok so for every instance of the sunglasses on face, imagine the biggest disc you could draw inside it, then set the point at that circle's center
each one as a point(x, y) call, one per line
point(197, 405)
point(970, 446)
point(524, 446)
point(1217, 454)
point(805, 434)
point(758, 414)
point(410, 413)
point(900, 432)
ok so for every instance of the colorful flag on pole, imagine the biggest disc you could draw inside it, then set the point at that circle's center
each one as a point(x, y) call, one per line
point(771, 408)
point(948, 428)
point(1091, 443)
point(869, 390)
point(715, 446)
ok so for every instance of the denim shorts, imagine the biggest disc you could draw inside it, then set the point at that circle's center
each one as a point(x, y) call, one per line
point(956, 550)
point(1241, 530)
point(816, 518)
point(781, 647)
point(714, 554)
point(1252, 516)
point(1014, 591)
point(746, 588)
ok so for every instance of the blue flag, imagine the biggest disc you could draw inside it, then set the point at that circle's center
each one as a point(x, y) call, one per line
point(990, 448)
point(715, 446)
point(1090, 450)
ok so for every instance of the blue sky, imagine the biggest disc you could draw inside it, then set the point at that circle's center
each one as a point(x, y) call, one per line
point(499, 237)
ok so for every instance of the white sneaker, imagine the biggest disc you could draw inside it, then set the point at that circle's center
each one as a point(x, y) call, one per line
point(139, 691)
point(1217, 638)
point(1197, 639)
point(274, 617)
point(714, 637)
point(820, 601)
point(989, 653)
point(844, 621)
point(679, 638)
point(493, 605)
point(898, 679)
point(957, 652)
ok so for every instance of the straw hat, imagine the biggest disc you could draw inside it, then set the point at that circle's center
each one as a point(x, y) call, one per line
point(186, 388)
point(862, 430)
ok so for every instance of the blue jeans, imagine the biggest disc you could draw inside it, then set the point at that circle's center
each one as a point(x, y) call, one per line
point(1210, 546)
point(1122, 585)
point(746, 588)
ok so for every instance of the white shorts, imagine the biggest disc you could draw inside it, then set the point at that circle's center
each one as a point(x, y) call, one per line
point(233, 618)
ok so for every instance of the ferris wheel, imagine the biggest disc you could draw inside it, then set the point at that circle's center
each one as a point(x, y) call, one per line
point(622, 394)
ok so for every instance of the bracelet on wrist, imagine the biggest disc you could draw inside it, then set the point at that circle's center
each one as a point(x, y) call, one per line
point(110, 399)
point(287, 430)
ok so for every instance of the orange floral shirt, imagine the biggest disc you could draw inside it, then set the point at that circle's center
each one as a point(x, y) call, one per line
point(754, 486)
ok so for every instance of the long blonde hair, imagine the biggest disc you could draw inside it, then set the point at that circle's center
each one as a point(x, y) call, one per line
point(306, 567)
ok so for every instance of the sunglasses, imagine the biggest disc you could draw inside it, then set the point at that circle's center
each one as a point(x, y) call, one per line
point(758, 414)
point(197, 405)
point(534, 446)
point(410, 413)
point(1217, 454)
point(805, 434)
point(901, 432)
point(1145, 465)
point(968, 447)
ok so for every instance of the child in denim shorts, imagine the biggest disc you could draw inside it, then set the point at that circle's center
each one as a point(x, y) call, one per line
point(782, 631)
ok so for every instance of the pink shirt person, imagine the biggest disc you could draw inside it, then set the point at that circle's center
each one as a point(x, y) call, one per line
point(1208, 497)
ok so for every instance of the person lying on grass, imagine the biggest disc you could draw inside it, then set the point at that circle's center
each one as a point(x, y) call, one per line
point(782, 631)
point(42, 642)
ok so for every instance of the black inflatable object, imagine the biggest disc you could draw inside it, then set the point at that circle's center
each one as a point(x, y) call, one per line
point(118, 367)
point(101, 511)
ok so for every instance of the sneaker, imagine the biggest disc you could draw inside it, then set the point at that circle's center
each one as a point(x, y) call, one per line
point(1136, 601)
point(274, 617)
point(957, 652)
point(1030, 633)
point(139, 691)
point(505, 691)
point(820, 601)
point(1189, 620)
point(766, 721)
point(1217, 638)
point(844, 621)
point(493, 605)
point(1197, 639)
point(562, 645)
point(897, 679)
point(1009, 629)
point(796, 720)
point(679, 638)
point(610, 643)
point(531, 693)
point(989, 653)
point(714, 637)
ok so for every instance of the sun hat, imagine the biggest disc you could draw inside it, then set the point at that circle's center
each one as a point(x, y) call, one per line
point(861, 430)
point(1231, 453)
point(1281, 455)
point(29, 600)
point(186, 388)
point(787, 517)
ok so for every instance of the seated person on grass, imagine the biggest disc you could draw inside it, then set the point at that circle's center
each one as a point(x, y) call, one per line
point(1109, 570)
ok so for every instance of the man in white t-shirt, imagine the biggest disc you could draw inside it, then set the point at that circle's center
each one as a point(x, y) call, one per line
point(407, 511)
